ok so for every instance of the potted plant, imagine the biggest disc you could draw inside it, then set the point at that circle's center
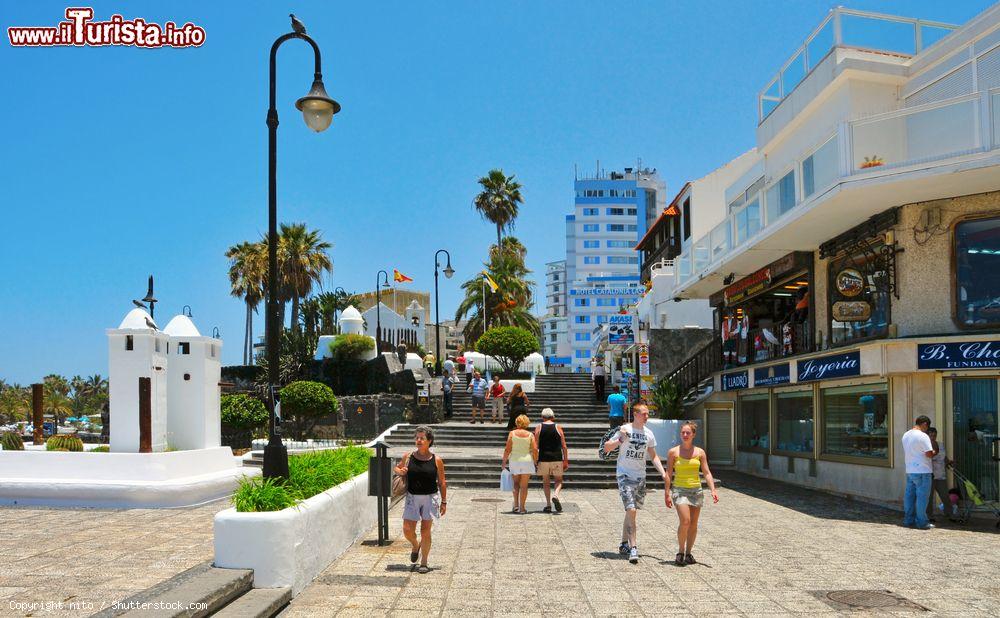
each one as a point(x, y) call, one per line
point(873, 161)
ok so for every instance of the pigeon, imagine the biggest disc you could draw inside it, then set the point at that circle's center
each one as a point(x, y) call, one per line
point(139, 304)
point(152, 324)
point(297, 26)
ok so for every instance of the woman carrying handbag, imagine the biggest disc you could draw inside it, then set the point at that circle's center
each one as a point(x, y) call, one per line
point(426, 494)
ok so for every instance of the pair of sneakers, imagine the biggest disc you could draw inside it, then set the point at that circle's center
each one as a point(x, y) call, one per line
point(632, 552)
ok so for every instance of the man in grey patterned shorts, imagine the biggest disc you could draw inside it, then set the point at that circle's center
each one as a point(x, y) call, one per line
point(637, 442)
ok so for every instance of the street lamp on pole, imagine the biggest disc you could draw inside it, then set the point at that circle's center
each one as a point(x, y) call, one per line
point(340, 293)
point(317, 110)
point(448, 272)
point(378, 307)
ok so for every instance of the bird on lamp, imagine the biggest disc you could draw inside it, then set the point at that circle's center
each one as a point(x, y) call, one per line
point(297, 26)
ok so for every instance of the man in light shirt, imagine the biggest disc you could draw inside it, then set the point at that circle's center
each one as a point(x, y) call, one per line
point(917, 453)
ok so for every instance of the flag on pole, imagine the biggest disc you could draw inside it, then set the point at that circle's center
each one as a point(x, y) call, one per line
point(490, 282)
point(400, 277)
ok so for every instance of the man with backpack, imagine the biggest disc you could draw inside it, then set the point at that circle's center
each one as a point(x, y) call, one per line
point(634, 443)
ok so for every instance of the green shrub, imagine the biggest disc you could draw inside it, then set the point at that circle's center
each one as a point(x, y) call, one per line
point(11, 441)
point(64, 443)
point(104, 448)
point(243, 411)
point(308, 475)
point(668, 400)
point(305, 403)
point(509, 345)
point(351, 346)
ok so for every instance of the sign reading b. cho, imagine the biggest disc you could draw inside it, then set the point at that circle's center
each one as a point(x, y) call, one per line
point(964, 355)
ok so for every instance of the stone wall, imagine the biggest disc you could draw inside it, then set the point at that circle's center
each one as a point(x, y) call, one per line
point(669, 347)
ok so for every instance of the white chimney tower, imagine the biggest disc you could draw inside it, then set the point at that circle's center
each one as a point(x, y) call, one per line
point(136, 349)
point(192, 387)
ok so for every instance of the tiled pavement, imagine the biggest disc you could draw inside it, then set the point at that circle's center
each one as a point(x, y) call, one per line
point(763, 549)
point(86, 559)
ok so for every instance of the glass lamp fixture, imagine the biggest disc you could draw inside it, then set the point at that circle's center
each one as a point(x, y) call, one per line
point(317, 107)
point(449, 271)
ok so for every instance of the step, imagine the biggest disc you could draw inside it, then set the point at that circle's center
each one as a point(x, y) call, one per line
point(257, 603)
point(202, 584)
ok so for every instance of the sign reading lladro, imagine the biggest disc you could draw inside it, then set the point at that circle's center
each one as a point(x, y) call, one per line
point(833, 366)
point(964, 355)
point(735, 380)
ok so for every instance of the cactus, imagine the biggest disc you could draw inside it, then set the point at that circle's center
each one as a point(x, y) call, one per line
point(104, 448)
point(64, 443)
point(11, 441)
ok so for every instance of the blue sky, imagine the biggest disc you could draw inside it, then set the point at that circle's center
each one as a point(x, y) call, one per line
point(121, 162)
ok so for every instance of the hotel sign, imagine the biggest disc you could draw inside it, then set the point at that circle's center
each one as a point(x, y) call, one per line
point(833, 366)
point(735, 380)
point(631, 291)
point(773, 375)
point(748, 286)
point(964, 355)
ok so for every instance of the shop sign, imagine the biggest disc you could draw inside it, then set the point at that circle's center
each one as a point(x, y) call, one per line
point(964, 355)
point(645, 387)
point(772, 376)
point(748, 286)
point(423, 397)
point(735, 380)
point(850, 283)
point(643, 359)
point(852, 311)
point(620, 330)
point(833, 366)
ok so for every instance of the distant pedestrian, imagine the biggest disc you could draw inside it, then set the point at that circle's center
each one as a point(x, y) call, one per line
point(519, 456)
point(553, 458)
point(917, 453)
point(599, 376)
point(635, 443)
point(939, 482)
point(495, 396)
point(683, 490)
point(429, 362)
point(449, 366)
point(517, 404)
point(470, 368)
point(477, 386)
point(447, 385)
point(426, 494)
point(616, 407)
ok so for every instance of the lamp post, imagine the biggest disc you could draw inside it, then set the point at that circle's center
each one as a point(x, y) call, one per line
point(336, 312)
point(378, 308)
point(448, 272)
point(317, 109)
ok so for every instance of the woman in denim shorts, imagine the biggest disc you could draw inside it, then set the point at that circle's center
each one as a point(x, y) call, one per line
point(684, 462)
point(426, 493)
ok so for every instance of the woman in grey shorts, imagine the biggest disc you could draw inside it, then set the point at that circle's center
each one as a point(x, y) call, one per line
point(684, 462)
point(426, 493)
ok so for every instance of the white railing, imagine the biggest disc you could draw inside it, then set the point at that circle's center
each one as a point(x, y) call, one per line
point(848, 28)
point(961, 126)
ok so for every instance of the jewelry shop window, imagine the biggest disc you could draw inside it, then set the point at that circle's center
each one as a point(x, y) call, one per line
point(755, 422)
point(856, 421)
point(794, 415)
point(977, 273)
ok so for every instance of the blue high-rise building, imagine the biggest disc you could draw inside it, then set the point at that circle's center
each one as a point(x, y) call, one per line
point(611, 213)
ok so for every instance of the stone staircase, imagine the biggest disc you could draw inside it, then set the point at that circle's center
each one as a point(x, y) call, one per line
point(570, 395)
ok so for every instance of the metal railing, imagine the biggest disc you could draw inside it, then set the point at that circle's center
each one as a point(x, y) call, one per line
point(703, 363)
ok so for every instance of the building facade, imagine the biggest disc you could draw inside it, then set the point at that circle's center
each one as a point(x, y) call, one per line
point(554, 340)
point(853, 274)
point(611, 212)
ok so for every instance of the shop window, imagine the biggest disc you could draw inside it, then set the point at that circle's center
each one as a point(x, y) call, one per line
point(859, 294)
point(794, 423)
point(755, 422)
point(856, 421)
point(977, 273)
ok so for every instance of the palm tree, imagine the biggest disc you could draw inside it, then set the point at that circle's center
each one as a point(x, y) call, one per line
point(511, 304)
point(311, 313)
point(247, 270)
point(499, 199)
point(302, 260)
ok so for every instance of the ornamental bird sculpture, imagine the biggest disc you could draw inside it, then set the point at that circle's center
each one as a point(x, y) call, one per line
point(297, 26)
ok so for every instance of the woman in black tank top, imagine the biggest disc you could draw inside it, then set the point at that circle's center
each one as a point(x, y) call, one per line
point(553, 458)
point(426, 492)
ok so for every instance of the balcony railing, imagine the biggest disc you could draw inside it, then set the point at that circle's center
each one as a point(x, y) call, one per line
point(848, 28)
point(908, 137)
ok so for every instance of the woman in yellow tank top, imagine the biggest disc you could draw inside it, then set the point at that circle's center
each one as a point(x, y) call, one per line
point(684, 462)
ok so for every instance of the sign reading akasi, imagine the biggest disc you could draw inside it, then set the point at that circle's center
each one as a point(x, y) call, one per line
point(735, 380)
point(773, 375)
point(833, 366)
point(964, 355)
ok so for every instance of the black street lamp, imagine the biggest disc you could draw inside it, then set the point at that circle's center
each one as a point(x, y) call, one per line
point(317, 109)
point(448, 272)
point(378, 308)
point(336, 311)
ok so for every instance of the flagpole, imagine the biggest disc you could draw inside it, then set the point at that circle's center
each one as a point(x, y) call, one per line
point(482, 282)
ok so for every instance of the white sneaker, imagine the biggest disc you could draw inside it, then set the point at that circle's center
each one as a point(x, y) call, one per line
point(633, 555)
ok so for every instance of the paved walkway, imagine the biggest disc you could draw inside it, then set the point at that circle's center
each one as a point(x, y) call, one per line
point(765, 549)
point(86, 559)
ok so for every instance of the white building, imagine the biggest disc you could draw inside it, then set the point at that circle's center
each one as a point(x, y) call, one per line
point(194, 371)
point(555, 345)
point(396, 327)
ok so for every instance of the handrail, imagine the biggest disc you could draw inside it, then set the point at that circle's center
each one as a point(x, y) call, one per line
point(703, 363)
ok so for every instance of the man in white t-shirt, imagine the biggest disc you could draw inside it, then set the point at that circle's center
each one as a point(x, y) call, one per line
point(917, 452)
point(636, 442)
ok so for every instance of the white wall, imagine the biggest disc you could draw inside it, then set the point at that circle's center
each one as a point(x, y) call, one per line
point(193, 419)
point(125, 367)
